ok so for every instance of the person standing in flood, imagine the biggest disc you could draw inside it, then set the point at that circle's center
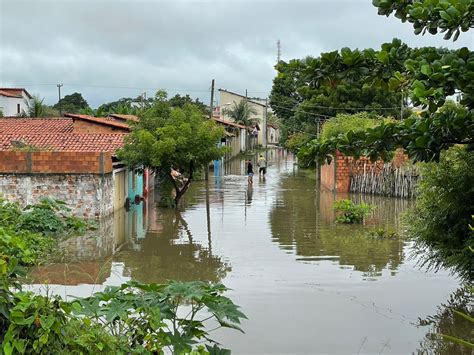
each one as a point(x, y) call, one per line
point(262, 165)
point(249, 172)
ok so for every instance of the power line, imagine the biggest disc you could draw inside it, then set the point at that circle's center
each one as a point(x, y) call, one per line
point(353, 108)
point(115, 87)
point(298, 110)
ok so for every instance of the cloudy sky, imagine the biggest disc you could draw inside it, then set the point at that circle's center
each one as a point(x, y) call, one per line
point(110, 49)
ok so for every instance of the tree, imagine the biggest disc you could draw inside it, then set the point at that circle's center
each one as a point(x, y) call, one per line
point(428, 76)
point(179, 101)
point(72, 103)
point(308, 91)
point(178, 139)
point(447, 16)
point(240, 112)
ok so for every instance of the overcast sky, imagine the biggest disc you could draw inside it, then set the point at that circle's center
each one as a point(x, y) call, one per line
point(112, 49)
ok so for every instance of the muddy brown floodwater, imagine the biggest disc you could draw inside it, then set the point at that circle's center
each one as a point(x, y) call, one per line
point(306, 284)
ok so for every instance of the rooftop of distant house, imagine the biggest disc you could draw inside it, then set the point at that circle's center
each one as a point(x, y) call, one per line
point(99, 120)
point(249, 99)
point(124, 117)
point(14, 92)
point(55, 134)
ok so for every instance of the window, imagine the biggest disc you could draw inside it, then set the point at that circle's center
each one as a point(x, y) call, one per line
point(17, 108)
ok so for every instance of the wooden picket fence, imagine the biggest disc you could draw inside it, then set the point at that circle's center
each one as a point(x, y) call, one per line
point(386, 180)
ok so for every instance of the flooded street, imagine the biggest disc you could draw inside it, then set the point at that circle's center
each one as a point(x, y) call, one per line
point(306, 284)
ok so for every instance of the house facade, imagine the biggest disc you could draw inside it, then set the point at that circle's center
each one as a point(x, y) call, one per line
point(14, 101)
point(71, 159)
point(227, 100)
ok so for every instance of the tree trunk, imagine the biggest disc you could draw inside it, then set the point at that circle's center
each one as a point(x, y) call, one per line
point(181, 191)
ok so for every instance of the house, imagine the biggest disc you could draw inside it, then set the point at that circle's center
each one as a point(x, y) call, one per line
point(227, 100)
point(235, 137)
point(72, 159)
point(14, 101)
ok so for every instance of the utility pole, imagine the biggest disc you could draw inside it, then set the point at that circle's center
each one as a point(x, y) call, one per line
point(264, 132)
point(59, 101)
point(212, 99)
point(143, 95)
point(206, 167)
point(278, 51)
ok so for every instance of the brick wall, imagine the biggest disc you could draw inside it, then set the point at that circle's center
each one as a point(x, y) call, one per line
point(87, 195)
point(55, 162)
point(337, 175)
point(92, 127)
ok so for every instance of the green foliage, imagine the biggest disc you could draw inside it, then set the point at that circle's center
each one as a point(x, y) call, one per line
point(50, 217)
point(308, 90)
point(241, 113)
point(178, 138)
point(72, 103)
point(133, 318)
point(343, 123)
point(447, 16)
point(451, 328)
point(350, 212)
point(297, 140)
point(444, 208)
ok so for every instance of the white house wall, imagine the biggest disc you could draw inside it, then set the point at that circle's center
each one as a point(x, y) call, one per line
point(8, 105)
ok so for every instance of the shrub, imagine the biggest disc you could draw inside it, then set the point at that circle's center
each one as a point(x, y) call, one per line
point(439, 222)
point(343, 123)
point(350, 212)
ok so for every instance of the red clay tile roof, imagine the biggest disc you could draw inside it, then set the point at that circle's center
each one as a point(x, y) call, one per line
point(227, 123)
point(99, 120)
point(14, 92)
point(70, 142)
point(124, 117)
point(35, 125)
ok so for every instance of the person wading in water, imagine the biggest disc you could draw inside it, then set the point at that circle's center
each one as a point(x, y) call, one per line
point(249, 172)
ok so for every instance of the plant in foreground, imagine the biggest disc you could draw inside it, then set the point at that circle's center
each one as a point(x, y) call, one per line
point(350, 212)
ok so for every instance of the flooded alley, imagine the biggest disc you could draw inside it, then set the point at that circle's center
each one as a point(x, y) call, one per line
point(305, 283)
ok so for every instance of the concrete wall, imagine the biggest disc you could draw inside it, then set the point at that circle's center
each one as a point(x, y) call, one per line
point(87, 195)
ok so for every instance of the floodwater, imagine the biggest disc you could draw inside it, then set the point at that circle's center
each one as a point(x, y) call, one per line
point(306, 284)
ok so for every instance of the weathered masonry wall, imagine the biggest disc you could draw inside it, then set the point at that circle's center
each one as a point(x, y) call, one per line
point(83, 180)
point(87, 195)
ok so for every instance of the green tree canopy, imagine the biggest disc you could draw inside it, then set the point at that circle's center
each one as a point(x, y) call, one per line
point(179, 139)
point(72, 103)
point(447, 16)
point(310, 90)
point(428, 76)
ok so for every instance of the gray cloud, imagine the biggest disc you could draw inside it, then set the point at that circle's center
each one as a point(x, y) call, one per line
point(110, 49)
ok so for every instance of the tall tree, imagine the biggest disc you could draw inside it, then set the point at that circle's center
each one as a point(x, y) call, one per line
point(72, 103)
point(177, 141)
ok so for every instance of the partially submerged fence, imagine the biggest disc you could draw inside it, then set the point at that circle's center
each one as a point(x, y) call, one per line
point(385, 179)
